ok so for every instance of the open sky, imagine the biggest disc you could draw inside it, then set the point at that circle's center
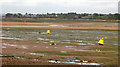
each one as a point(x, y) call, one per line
point(59, 6)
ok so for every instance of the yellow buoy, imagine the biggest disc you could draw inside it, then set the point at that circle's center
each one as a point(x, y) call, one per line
point(101, 42)
point(48, 32)
point(112, 26)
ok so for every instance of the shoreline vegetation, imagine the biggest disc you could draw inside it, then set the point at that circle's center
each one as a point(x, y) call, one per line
point(39, 20)
point(61, 17)
point(69, 16)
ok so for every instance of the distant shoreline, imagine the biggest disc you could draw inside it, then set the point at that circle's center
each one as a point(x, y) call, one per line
point(56, 20)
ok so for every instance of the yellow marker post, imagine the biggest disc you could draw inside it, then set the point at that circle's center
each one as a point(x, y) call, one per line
point(48, 32)
point(101, 42)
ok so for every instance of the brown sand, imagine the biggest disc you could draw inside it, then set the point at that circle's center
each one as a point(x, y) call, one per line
point(68, 25)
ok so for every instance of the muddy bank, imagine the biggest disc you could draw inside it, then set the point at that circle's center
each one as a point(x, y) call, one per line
point(63, 25)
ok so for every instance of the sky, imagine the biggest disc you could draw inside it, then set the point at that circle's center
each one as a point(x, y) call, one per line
point(59, 6)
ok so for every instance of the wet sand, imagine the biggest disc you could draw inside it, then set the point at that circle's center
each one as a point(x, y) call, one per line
point(20, 52)
point(66, 25)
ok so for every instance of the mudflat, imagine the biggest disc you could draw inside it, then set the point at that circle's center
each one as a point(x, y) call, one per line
point(62, 25)
point(26, 43)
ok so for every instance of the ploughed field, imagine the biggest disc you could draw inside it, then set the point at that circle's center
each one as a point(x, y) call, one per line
point(22, 46)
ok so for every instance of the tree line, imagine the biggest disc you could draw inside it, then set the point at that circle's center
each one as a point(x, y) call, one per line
point(71, 15)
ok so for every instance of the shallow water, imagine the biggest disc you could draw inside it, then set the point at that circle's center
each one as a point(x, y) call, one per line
point(81, 37)
point(13, 45)
point(9, 44)
point(84, 62)
point(34, 26)
point(10, 38)
point(36, 54)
